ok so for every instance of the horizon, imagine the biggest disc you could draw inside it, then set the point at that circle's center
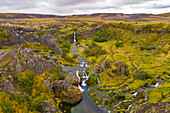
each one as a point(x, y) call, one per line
point(80, 7)
point(83, 14)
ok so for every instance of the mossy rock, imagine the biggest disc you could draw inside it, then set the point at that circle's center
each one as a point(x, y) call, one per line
point(71, 96)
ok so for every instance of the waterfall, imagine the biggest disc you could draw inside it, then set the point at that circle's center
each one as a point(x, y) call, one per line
point(74, 37)
point(158, 83)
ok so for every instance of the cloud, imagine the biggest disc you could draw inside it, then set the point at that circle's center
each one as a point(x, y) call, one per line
point(68, 7)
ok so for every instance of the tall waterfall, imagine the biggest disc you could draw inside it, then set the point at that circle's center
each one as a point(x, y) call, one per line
point(74, 37)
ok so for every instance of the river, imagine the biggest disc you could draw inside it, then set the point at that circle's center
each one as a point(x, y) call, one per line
point(86, 105)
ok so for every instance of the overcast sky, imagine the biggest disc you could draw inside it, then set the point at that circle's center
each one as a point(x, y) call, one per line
point(69, 7)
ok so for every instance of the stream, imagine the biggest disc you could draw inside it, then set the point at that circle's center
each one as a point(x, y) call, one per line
point(86, 105)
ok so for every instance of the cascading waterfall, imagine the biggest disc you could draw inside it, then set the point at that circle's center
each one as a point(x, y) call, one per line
point(74, 37)
point(86, 105)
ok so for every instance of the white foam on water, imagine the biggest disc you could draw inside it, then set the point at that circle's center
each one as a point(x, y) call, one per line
point(135, 94)
point(77, 74)
point(129, 107)
point(83, 83)
point(81, 89)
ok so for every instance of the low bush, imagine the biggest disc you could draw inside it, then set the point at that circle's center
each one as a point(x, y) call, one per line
point(26, 79)
point(117, 44)
point(142, 75)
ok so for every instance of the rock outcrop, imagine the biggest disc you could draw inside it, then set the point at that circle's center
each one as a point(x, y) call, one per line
point(49, 107)
point(8, 87)
point(19, 60)
point(19, 35)
point(49, 83)
point(66, 92)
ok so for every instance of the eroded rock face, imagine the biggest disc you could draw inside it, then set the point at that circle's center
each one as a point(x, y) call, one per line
point(49, 107)
point(19, 37)
point(20, 60)
point(8, 87)
point(66, 92)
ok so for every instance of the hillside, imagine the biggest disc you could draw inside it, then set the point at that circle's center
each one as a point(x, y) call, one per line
point(112, 62)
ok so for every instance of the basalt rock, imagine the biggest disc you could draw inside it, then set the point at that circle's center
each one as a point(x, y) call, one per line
point(19, 35)
point(8, 87)
point(49, 107)
point(49, 83)
point(66, 92)
point(19, 60)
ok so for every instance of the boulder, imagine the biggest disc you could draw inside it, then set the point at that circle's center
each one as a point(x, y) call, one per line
point(8, 87)
point(72, 96)
point(49, 107)
point(49, 83)
point(66, 92)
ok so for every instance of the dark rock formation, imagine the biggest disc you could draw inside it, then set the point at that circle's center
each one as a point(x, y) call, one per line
point(19, 36)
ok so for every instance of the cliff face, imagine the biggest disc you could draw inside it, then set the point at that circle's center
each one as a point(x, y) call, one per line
point(19, 60)
point(18, 36)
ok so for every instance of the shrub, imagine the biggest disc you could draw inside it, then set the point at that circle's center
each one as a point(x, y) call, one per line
point(57, 72)
point(40, 33)
point(26, 79)
point(68, 59)
point(117, 44)
point(134, 42)
point(150, 47)
point(94, 50)
point(142, 75)
point(75, 55)
point(92, 81)
point(97, 39)
point(142, 48)
point(37, 103)
point(74, 29)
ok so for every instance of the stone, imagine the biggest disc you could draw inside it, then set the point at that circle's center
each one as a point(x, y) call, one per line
point(49, 107)
point(72, 96)
point(11, 78)
point(66, 92)
point(49, 83)
point(8, 87)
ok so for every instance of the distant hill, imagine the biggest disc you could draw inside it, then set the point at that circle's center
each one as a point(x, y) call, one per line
point(103, 16)
point(165, 14)
point(23, 15)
